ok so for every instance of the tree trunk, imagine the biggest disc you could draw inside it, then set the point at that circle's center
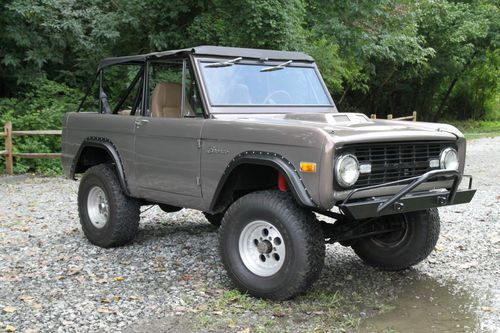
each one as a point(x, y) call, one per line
point(346, 90)
point(454, 82)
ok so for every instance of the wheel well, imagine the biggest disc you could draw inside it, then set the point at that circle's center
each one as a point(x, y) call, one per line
point(91, 156)
point(245, 178)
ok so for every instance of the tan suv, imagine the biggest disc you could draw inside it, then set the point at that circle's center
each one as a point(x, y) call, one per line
point(253, 139)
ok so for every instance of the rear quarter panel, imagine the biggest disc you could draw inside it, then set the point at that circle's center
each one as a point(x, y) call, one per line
point(77, 127)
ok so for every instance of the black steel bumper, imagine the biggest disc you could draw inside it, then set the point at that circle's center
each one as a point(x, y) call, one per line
point(405, 200)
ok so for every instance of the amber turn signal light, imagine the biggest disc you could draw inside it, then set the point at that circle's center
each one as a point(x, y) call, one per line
point(307, 167)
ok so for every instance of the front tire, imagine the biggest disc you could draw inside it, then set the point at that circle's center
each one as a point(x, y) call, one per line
point(417, 234)
point(270, 246)
point(108, 217)
point(214, 219)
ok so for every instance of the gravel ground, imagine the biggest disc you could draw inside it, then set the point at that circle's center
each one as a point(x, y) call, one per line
point(170, 278)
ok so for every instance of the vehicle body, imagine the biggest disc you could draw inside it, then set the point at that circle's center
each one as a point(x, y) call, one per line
point(236, 122)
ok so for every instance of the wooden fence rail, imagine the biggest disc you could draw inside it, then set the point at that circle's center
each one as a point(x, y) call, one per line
point(413, 117)
point(8, 152)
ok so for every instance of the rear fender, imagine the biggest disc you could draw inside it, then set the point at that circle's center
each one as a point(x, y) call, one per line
point(112, 152)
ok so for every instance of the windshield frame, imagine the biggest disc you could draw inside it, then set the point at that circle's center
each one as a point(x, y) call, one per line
point(261, 108)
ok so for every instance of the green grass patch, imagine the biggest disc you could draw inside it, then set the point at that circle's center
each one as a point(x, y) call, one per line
point(316, 311)
point(474, 129)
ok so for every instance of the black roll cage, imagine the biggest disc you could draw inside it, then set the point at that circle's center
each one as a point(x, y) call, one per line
point(138, 76)
point(142, 76)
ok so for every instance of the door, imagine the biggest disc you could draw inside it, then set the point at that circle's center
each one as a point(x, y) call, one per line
point(167, 153)
point(167, 157)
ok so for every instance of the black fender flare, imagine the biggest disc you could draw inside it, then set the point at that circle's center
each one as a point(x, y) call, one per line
point(278, 162)
point(110, 148)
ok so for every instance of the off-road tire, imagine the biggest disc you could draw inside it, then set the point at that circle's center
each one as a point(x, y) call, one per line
point(420, 237)
point(302, 237)
point(214, 219)
point(123, 220)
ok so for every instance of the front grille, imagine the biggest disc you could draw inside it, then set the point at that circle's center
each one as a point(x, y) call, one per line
point(394, 161)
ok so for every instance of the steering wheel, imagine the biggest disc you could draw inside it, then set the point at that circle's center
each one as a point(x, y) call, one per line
point(269, 99)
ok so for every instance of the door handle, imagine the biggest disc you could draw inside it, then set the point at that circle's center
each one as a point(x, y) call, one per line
point(140, 122)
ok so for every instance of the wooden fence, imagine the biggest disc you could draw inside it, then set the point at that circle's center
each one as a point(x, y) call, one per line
point(413, 117)
point(8, 152)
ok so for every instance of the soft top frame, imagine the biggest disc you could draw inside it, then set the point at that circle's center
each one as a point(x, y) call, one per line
point(217, 51)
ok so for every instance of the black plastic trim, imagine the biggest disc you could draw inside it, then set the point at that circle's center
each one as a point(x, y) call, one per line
point(293, 178)
point(111, 150)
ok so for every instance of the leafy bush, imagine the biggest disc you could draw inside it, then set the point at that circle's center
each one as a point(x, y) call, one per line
point(41, 109)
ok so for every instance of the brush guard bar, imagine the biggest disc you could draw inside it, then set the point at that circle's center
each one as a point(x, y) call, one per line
point(405, 200)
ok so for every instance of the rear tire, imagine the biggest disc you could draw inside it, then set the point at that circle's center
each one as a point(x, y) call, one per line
point(108, 217)
point(270, 246)
point(401, 249)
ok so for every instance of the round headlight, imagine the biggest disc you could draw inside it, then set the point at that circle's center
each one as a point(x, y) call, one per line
point(449, 159)
point(347, 170)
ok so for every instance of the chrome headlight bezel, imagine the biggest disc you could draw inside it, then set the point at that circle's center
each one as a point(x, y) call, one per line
point(338, 168)
point(445, 155)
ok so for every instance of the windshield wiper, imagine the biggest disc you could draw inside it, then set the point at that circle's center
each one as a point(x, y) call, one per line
point(277, 67)
point(224, 63)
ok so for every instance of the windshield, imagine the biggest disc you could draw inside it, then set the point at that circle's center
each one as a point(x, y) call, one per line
point(248, 85)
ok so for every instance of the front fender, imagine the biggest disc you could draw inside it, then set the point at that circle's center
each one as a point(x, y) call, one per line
point(278, 162)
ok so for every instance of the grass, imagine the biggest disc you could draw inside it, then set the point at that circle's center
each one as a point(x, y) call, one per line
point(473, 129)
point(316, 311)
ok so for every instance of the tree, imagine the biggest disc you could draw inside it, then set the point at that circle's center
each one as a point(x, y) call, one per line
point(57, 39)
point(387, 56)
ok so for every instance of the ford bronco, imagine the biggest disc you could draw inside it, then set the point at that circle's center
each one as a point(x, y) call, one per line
point(253, 139)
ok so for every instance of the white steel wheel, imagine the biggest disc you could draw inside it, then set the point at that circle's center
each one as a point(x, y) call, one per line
point(108, 217)
point(270, 246)
point(262, 248)
point(97, 207)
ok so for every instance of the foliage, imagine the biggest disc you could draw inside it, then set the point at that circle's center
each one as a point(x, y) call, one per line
point(251, 23)
point(401, 56)
point(474, 129)
point(440, 58)
point(42, 109)
point(56, 39)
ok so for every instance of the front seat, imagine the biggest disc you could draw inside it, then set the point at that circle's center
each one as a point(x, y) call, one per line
point(166, 101)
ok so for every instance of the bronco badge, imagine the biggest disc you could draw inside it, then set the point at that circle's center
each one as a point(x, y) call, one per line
point(215, 150)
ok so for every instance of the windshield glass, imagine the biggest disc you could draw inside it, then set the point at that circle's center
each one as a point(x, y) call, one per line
point(248, 85)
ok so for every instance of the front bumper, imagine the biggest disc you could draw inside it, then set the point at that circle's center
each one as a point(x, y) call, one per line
point(405, 200)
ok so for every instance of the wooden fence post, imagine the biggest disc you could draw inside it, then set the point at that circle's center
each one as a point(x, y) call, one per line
point(389, 116)
point(9, 158)
point(414, 116)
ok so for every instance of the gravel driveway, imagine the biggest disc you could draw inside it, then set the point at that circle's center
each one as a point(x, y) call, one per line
point(170, 278)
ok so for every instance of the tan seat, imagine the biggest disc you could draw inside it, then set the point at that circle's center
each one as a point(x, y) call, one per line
point(125, 112)
point(166, 101)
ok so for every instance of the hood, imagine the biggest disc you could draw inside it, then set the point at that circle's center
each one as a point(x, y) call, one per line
point(355, 126)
